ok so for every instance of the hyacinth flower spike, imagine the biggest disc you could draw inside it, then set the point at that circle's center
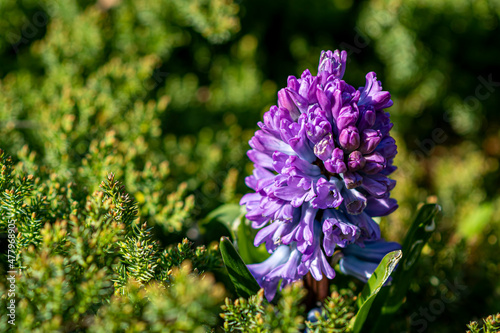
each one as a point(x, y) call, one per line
point(322, 158)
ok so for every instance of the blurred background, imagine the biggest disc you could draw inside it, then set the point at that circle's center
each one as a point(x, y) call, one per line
point(167, 93)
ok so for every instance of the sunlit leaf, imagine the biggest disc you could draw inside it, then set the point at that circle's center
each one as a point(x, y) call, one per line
point(390, 299)
point(373, 286)
point(243, 281)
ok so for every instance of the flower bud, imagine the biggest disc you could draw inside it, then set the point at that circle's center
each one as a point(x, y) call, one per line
point(356, 161)
point(374, 163)
point(349, 138)
point(367, 119)
point(336, 164)
point(348, 116)
point(369, 140)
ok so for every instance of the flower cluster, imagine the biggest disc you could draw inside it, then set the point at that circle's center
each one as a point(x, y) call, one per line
point(321, 158)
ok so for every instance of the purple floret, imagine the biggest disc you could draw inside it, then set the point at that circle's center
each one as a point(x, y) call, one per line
point(361, 262)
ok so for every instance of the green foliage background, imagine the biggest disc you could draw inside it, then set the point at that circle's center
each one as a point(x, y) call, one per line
point(166, 94)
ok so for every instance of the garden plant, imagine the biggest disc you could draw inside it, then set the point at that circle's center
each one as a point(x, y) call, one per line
point(249, 166)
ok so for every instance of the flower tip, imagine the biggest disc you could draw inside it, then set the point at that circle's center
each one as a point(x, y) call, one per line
point(332, 63)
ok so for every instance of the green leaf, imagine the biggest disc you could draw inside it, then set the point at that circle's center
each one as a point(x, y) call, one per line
point(390, 299)
point(232, 217)
point(225, 213)
point(373, 286)
point(245, 236)
point(243, 281)
point(222, 218)
point(418, 235)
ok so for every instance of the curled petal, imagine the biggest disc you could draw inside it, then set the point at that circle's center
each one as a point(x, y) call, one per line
point(297, 190)
point(338, 231)
point(295, 166)
point(296, 136)
point(268, 144)
point(300, 101)
point(317, 125)
point(308, 86)
point(272, 120)
point(328, 195)
point(307, 219)
point(286, 101)
point(387, 148)
point(370, 230)
point(377, 185)
point(325, 103)
point(279, 257)
point(372, 251)
point(380, 206)
point(260, 177)
point(293, 83)
point(362, 270)
point(336, 106)
point(316, 261)
point(260, 158)
point(373, 95)
point(265, 234)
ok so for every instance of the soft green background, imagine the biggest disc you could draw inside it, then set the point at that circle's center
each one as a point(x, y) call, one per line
point(166, 94)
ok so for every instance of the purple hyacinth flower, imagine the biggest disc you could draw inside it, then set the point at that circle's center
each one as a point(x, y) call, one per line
point(327, 196)
point(380, 206)
point(361, 270)
point(322, 159)
point(279, 257)
point(373, 95)
point(361, 262)
point(281, 266)
point(354, 201)
point(314, 259)
point(337, 231)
